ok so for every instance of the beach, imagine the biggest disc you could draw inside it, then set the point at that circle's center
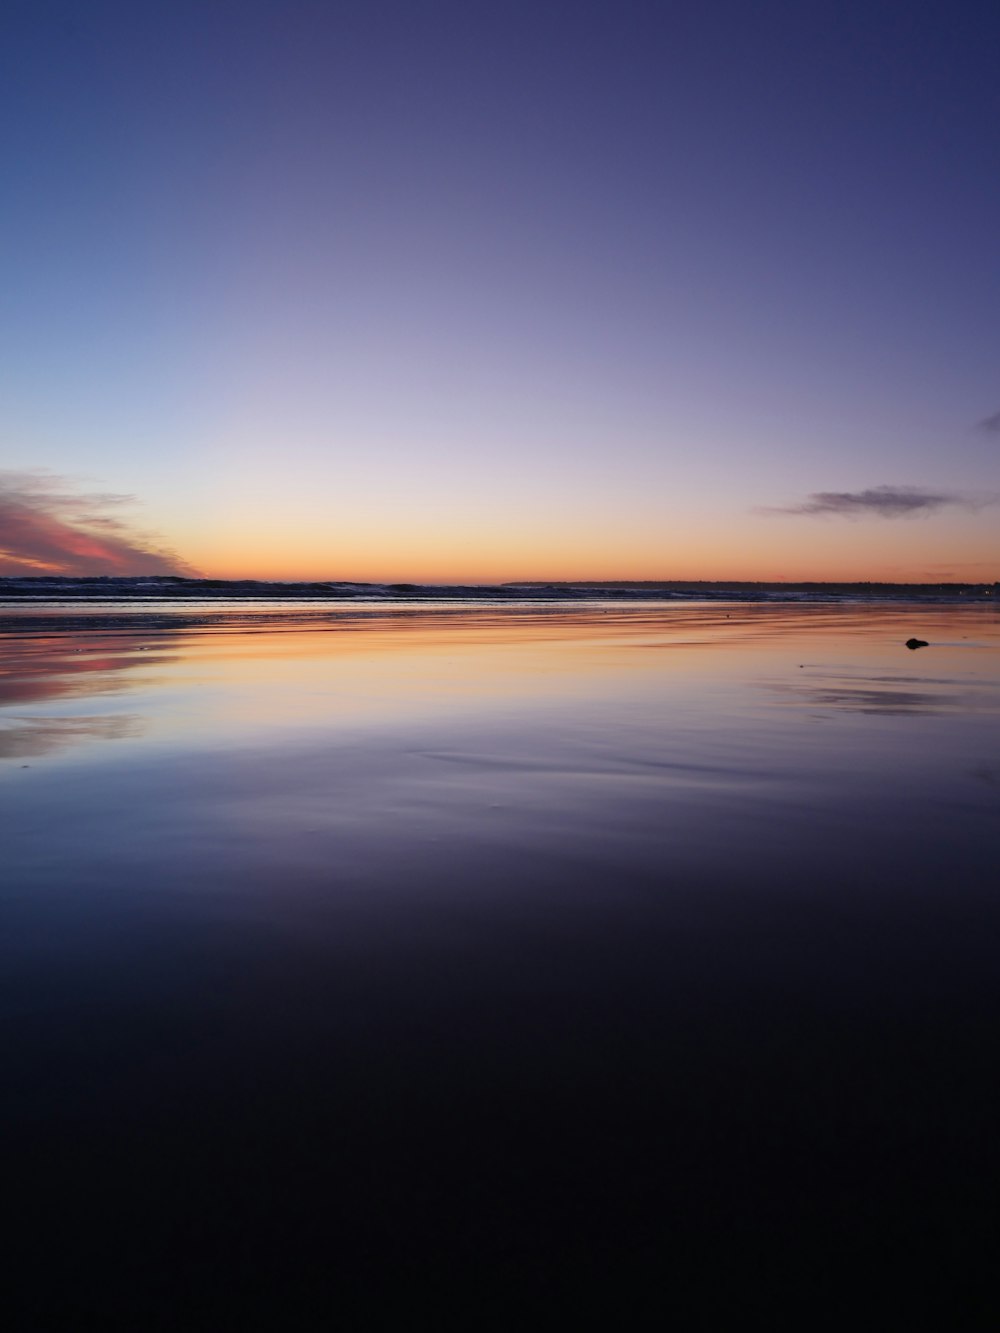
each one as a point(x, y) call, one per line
point(497, 957)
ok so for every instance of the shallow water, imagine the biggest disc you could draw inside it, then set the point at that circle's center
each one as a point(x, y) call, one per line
point(501, 950)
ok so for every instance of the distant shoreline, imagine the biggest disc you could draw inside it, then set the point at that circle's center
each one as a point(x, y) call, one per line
point(41, 589)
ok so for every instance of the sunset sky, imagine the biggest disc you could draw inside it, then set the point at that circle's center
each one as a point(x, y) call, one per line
point(469, 291)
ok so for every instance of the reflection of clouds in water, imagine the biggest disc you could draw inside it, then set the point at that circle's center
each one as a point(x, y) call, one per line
point(39, 669)
point(857, 700)
point(871, 696)
point(40, 683)
point(32, 670)
point(21, 737)
point(823, 687)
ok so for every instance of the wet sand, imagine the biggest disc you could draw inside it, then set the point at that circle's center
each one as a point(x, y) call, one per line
point(501, 959)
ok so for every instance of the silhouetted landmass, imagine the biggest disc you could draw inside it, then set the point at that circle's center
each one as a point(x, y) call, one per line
point(748, 590)
point(173, 588)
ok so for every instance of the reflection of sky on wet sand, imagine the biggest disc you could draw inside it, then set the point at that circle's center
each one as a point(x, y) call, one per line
point(860, 693)
point(398, 743)
point(43, 667)
point(564, 705)
point(239, 683)
point(53, 686)
point(24, 736)
point(656, 931)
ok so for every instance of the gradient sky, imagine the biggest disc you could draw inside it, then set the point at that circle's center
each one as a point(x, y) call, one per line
point(440, 291)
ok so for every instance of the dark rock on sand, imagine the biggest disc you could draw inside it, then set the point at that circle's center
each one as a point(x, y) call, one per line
point(916, 643)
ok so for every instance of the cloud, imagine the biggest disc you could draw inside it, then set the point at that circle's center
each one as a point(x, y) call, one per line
point(990, 424)
point(881, 501)
point(47, 526)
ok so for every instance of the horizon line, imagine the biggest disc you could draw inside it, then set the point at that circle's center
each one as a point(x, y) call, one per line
point(404, 584)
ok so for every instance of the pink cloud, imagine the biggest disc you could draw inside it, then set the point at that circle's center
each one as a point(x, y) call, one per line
point(47, 526)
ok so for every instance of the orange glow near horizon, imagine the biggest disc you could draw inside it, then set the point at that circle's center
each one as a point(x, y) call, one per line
point(782, 551)
point(596, 569)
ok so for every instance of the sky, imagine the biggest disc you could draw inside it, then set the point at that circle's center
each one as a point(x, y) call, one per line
point(497, 291)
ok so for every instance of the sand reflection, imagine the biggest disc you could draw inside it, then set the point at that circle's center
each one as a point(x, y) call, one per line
point(46, 682)
point(238, 678)
point(30, 737)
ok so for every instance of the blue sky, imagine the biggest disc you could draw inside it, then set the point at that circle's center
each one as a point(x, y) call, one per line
point(490, 291)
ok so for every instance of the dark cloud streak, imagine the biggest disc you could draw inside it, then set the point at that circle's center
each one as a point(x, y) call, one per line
point(47, 526)
point(877, 501)
point(991, 425)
